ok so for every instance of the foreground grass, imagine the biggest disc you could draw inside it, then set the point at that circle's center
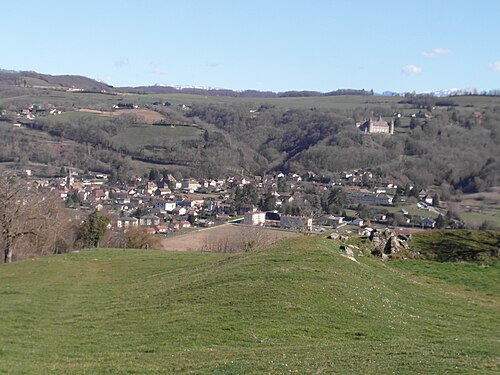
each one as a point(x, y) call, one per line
point(298, 307)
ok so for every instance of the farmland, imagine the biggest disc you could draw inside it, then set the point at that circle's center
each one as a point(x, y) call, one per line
point(296, 307)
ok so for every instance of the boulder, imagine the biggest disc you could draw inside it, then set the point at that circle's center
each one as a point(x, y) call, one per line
point(385, 242)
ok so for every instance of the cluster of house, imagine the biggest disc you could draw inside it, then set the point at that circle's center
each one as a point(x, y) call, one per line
point(169, 205)
point(34, 110)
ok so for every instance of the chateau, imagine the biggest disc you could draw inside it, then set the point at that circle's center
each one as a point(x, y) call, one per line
point(376, 126)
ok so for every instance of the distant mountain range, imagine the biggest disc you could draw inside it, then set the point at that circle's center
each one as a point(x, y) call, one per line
point(34, 79)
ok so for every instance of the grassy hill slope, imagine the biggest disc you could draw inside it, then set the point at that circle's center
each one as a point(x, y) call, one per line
point(298, 307)
point(457, 245)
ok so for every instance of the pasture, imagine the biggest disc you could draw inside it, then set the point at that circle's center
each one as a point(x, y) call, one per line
point(297, 307)
point(140, 135)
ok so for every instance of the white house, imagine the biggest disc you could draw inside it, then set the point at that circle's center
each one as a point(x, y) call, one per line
point(255, 218)
point(167, 206)
point(335, 220)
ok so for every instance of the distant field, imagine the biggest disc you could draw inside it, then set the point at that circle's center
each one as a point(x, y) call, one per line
point(476, 101)
point(411, 208)
point(60, 98)
point(324, 102)
point(479, 217)
point(31, 81)
point(146, 116)
point(138, 135)
point(75, 115)
point(296, 308)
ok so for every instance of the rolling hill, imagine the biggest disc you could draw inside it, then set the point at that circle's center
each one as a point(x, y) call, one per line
point(297, 307)
point(34, 79)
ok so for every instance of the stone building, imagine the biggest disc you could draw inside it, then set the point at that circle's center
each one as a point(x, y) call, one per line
point(376, 126)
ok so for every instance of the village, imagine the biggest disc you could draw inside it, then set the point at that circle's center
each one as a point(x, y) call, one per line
point(162, 205)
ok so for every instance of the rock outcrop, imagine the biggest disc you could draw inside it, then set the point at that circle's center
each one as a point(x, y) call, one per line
point(385, 242)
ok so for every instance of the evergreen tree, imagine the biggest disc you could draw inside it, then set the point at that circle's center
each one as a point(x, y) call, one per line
point(92, 230)
point(435, 201)
point(440, 222)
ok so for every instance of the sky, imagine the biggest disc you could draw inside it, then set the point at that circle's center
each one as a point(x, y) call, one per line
point(396, 45)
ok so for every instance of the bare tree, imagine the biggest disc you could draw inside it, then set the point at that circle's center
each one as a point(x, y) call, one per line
point(27, 218)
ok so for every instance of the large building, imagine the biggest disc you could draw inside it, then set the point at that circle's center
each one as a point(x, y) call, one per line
point(376, 126)
point(255, 218)
point(371, 199)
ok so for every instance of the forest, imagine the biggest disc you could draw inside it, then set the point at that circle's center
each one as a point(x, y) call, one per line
point(452, 148)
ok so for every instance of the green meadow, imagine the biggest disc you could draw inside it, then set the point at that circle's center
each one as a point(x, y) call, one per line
point(140, 135)
point(297, 307)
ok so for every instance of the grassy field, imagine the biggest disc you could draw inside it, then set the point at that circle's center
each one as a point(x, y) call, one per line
point(297, 307)
point(321, 102)
point(480, 217)
point(412, 209)
point(139, 135)
point(469, 275)
point(457, 245)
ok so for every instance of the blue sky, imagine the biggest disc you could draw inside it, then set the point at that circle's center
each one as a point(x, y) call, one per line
point(266, 45)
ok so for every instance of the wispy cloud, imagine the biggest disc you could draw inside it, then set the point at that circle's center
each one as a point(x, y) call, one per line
point(411, 70)
point(121, 62)
point(495, 66)
point(435, 52)
point(213, 64)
